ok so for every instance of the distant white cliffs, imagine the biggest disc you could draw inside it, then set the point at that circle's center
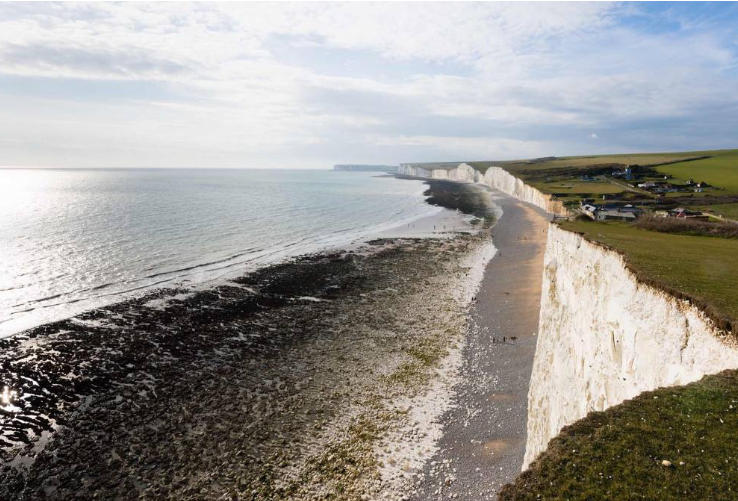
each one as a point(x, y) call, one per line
point(494, 177)
point(391, 169)
point(603, 336)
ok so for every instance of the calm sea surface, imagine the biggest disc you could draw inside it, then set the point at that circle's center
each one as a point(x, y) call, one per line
point(71, 240)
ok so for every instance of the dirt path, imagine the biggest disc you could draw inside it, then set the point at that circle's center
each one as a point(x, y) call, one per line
point(484, 434)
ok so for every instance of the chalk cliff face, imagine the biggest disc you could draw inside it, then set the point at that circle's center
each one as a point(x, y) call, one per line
point(462, 172)
point(495, 177)
point(500, 179)
point(604, 337)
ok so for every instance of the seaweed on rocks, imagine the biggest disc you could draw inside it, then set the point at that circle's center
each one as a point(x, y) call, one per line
point(471, 199)
point(272, 386)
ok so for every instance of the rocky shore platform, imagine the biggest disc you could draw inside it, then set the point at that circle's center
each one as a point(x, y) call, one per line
point(319, 378)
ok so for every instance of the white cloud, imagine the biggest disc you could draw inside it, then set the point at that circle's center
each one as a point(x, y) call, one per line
point(459, 147)
point(594, 135)
point(237, 82)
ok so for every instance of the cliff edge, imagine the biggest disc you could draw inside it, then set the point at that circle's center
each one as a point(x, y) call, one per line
point(605, 337)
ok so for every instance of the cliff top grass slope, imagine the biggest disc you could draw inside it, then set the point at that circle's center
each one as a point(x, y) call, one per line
point(703, 269)
point(672, 443)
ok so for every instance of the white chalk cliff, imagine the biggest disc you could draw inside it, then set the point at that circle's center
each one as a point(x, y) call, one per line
point(604, 337)
point(494, 177)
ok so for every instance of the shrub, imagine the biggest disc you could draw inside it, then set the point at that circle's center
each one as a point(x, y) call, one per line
point(688, 226)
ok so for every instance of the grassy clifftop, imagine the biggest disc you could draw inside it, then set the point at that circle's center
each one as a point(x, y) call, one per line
point(552, 165)
point(563, 177)
point(672, 443)
point(701, 268)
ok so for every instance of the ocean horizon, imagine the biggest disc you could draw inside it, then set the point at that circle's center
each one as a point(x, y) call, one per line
point(77, 239)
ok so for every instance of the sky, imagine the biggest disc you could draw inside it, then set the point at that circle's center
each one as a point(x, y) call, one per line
point(309, 85)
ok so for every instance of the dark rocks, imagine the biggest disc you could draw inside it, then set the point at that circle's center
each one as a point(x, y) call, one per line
point(201, 395)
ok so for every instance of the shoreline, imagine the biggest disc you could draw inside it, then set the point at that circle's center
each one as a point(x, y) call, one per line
point(171, 362)
point(442, 215)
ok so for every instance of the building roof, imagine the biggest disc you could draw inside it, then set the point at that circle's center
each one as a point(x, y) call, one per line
point(617, 213)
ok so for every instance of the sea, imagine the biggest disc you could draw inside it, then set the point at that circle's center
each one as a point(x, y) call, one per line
point(75, 239)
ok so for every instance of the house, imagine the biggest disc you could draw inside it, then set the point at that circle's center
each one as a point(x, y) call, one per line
point(648, 185)
point(614, 215)
point(682, 213)
point(627, 173)
point(666, 188)
point(632, 209)
point(678, 212)
point(589, 210)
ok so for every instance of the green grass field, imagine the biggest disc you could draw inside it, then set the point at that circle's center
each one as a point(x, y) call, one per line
point(524, 167)
point(584, 187)
point(720, 170)
point(571, 191)
point(618, 454)
point(702, 268)
point(729, 211)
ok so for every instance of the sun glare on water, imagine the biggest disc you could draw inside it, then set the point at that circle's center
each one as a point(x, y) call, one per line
point(7, 398)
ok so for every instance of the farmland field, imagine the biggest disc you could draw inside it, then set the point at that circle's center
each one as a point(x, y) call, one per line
point(528, 167)
point(594, 187)
point(721, 170)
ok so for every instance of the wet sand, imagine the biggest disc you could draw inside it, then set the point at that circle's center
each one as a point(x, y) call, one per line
point(484, 433)
point(445, 224)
